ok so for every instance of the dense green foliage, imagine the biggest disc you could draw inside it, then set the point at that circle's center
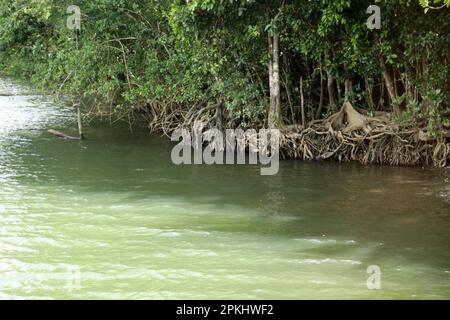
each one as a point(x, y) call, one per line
point(151, 55)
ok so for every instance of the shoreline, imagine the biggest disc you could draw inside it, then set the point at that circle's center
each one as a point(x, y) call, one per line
point(322, 141)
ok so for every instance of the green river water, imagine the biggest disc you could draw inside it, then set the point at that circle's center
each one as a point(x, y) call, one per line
point(115, 217)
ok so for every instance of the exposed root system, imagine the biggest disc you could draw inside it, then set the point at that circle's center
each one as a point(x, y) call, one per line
point(347, 135)
point(351, 136)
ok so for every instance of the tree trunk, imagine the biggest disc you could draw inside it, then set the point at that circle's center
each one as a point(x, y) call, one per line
point(339, 91)
point(389, 85)
point(319, 110)
point(274, 117)
point(387, 76)
point(80, 123)
point(330, 87)
point(388, 79)
point(286, 85)
point(302, 104)
point(369, 94)
point(348, 90)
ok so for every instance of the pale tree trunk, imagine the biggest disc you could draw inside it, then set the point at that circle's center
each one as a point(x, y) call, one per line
point(389, 85)
point(286, 85)
point(80, 121)
point(388, 79)
point(339, 91)
point(302, 104)
point(319, 110)
point(274, 117)
point(330, 88)
point(349, 90)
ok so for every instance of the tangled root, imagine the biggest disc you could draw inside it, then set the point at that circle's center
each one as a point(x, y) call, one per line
point(165, 118)
point(347, 135)
point(351, 136)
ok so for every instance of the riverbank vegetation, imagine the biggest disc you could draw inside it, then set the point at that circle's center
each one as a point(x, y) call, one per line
point(337, 89)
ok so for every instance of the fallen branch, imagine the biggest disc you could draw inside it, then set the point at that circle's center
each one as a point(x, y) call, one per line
point(62, 135)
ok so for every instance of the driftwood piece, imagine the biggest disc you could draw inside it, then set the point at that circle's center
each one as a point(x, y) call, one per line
point(63, 135)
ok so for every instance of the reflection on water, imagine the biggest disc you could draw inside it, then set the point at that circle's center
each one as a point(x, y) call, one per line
point(137, 226)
